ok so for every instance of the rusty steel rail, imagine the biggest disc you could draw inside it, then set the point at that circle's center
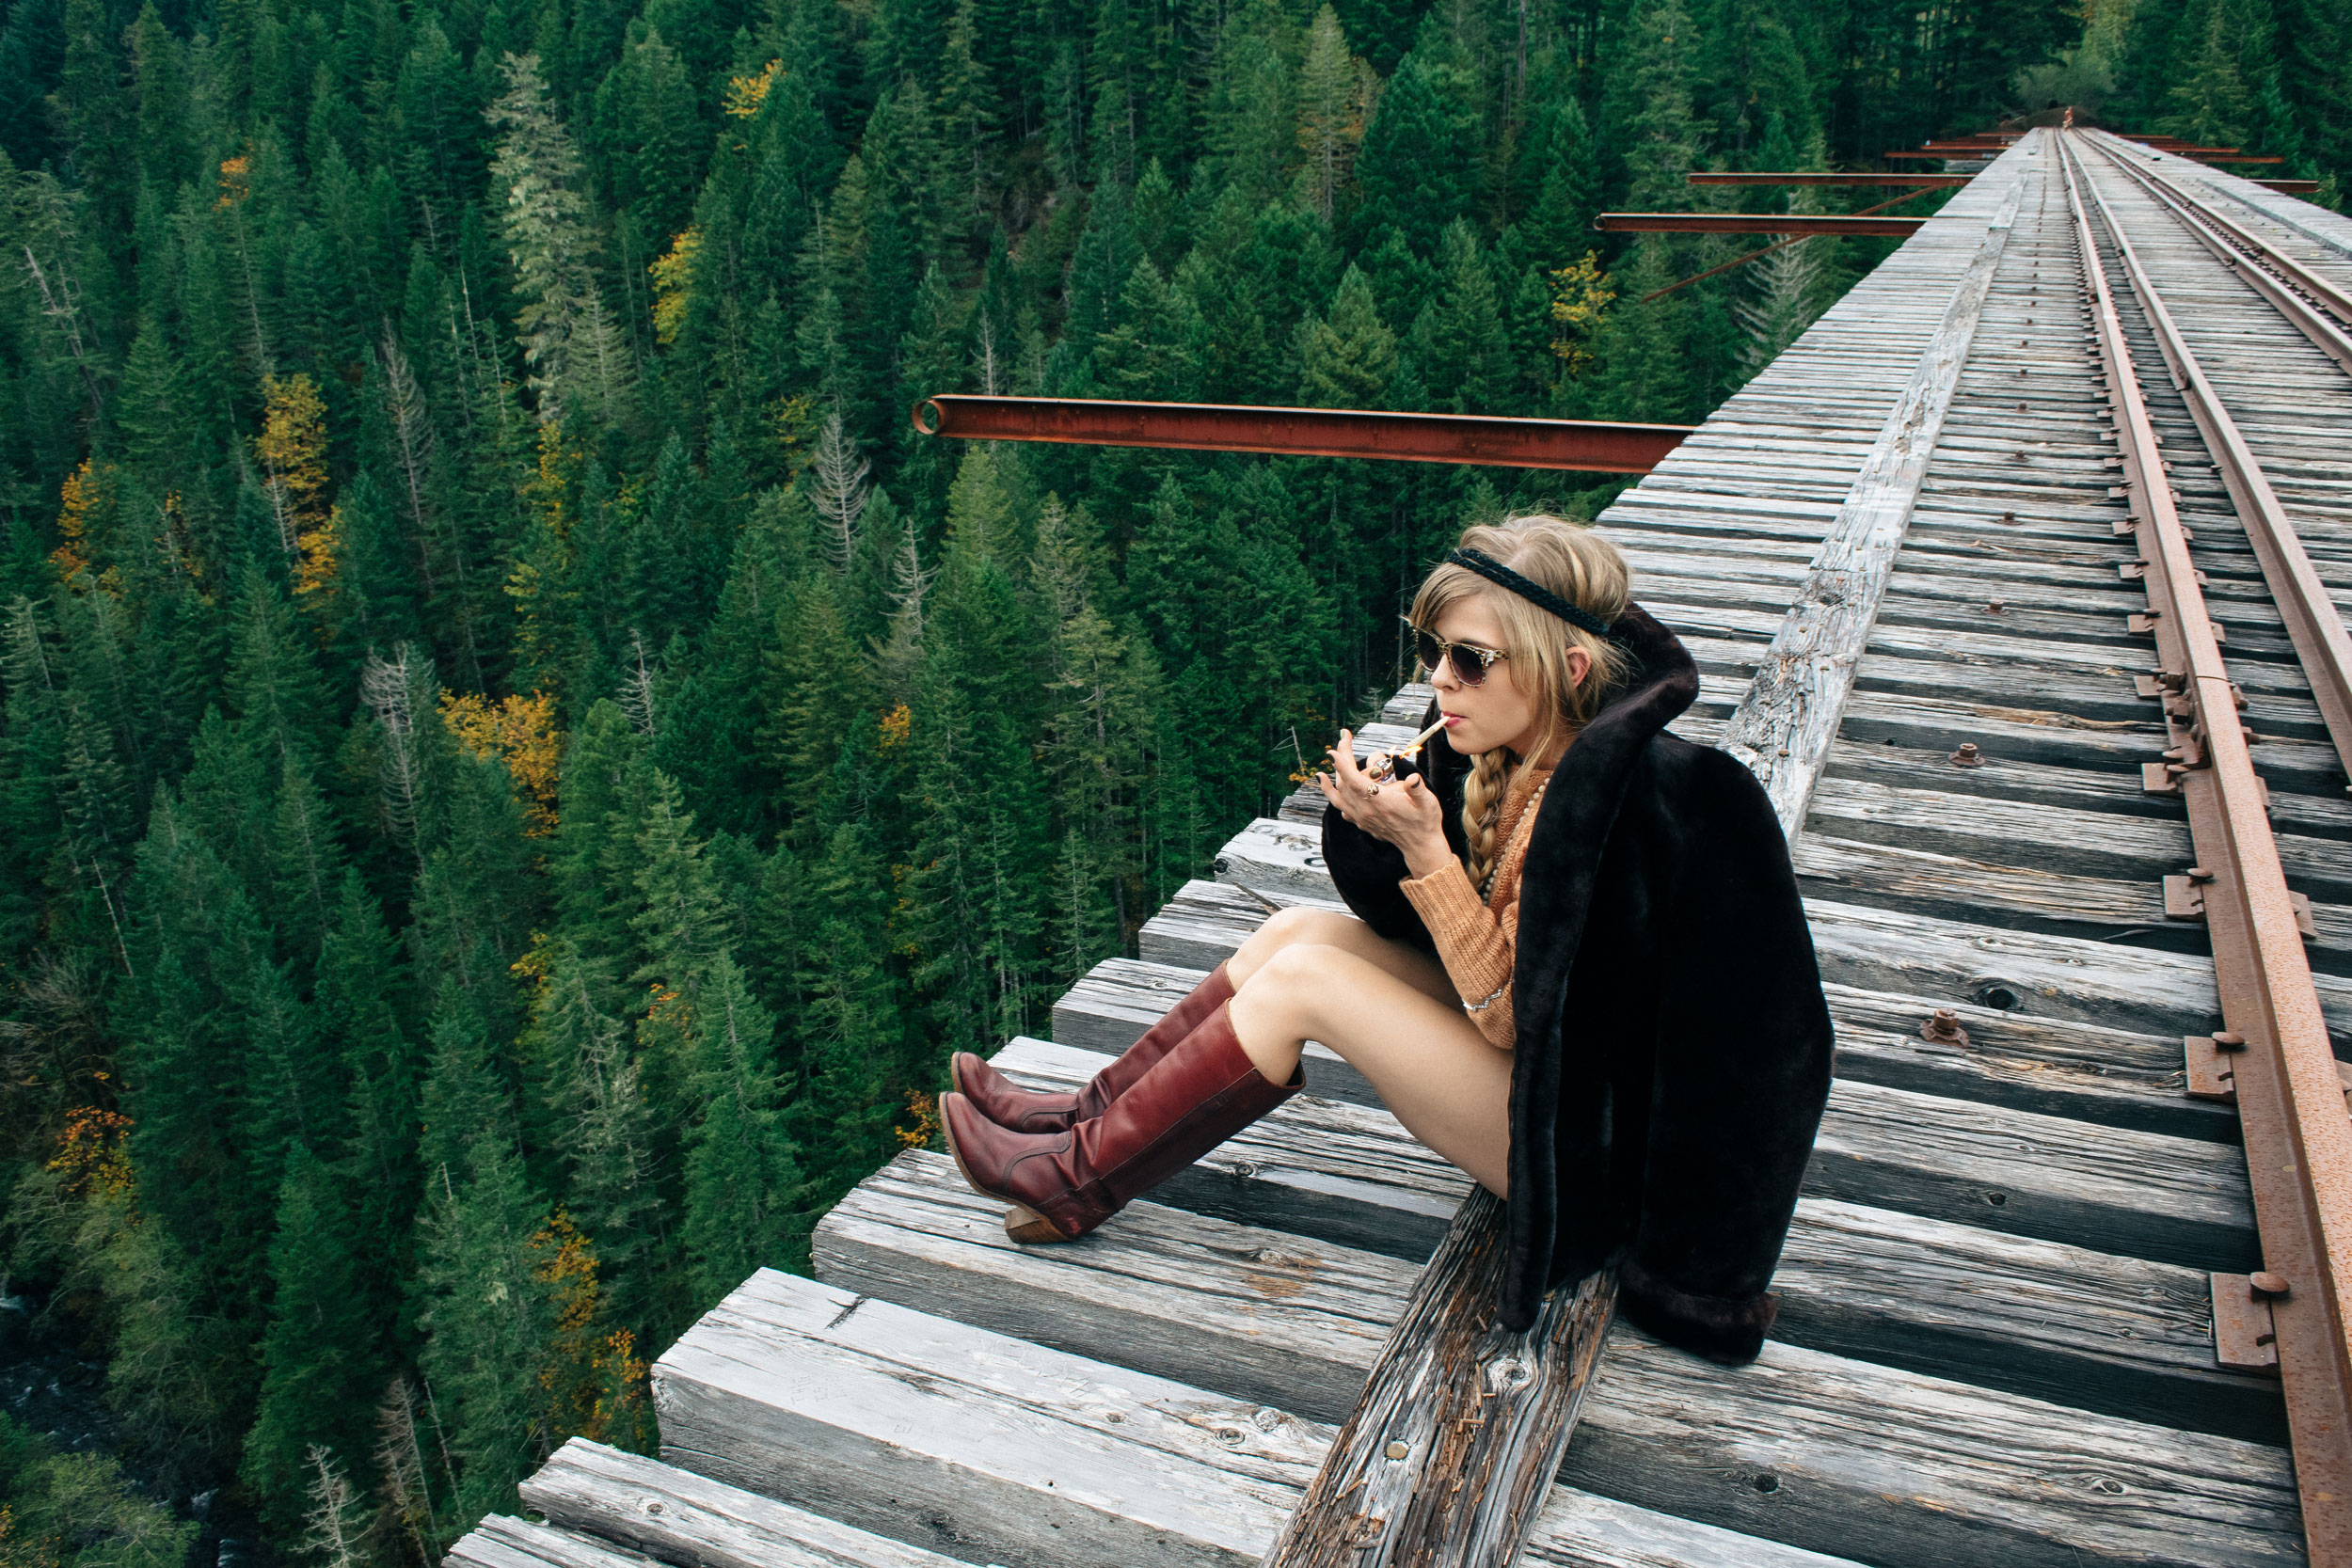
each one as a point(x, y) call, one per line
point(1749, 223)
point(1583, 446)
point(2319, 308)
point(2312, 620)
point(1808, 177)
point(2290, 1100)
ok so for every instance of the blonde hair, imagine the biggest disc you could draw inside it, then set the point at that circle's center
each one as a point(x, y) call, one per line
point(1583, 569)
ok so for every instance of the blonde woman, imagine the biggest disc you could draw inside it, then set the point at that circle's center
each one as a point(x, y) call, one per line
point(1574, 963)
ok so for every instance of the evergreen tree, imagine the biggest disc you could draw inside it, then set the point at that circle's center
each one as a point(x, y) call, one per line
point(322, 1354)
point(741, 1168)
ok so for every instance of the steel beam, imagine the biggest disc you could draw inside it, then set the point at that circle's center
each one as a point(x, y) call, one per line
point(1749, 223)
point(1576, 445)
point(1925, 182)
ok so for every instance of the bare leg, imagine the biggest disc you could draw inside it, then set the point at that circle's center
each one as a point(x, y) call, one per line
point(1432, 1066)
point(1297, 927)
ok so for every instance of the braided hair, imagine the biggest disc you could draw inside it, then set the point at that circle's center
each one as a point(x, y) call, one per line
point(1581, 567)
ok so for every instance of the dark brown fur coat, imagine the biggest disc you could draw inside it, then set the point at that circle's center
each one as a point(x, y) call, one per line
point(1674, 1048)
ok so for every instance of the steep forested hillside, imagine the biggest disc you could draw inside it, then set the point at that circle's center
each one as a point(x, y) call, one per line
point(518, 766)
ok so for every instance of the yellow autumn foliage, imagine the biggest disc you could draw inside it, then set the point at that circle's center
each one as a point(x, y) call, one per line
point(1580, 293)
point(83, 500)
point(236, 175)
point(745, 94)
point(90, 1156)
point(521, 731)
point(674, 284)
point(318, 553)
point(291, 449)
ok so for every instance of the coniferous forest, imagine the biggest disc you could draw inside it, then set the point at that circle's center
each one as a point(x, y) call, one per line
point(518, 766)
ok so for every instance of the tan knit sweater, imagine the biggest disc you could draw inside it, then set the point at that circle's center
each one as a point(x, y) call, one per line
point(1478, 941)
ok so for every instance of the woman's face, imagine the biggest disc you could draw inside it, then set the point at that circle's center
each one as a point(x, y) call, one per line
point(1498, 711)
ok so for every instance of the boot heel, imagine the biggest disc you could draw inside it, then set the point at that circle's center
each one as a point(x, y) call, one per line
point(1030, 1228)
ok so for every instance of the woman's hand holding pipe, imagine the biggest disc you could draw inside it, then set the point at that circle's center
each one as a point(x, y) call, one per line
point(1404, 813)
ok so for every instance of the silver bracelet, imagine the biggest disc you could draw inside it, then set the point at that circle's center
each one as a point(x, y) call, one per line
point(1482, 1006)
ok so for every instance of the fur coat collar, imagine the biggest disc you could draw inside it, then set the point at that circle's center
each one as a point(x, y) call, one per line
point(1674, 1046)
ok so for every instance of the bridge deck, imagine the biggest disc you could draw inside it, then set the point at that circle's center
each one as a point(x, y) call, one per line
point(1996, 1343)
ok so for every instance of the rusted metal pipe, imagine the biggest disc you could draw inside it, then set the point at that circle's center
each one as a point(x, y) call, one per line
point(1578, 444)
point(2298, 1141)
point(1749, 223)
point(1802, 178)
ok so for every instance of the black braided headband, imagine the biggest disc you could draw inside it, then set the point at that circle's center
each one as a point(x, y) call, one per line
point(1488, 567)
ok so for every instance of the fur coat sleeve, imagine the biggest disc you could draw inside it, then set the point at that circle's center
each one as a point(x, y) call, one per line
point(1674, 1046)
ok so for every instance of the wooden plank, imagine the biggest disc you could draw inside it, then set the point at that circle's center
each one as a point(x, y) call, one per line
point(2057, 1067)
point(989, 1448)
point(1783, 728)
point(677, 1516)
point(1272, 1316)
point(2176, 1200)
point(982, 1445)
point(2023, 897)
point(1454, 1405)
point(500, 1540)
point(2111, 1077)
point(1879, 949)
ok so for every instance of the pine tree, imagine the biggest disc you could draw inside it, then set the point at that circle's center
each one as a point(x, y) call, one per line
point(570, 340)
point(1417, 168)
point(1458, 343)
point(1335, 95)
point(741, 1168)
point(604, 1125)
point(323, 1353)
point(488, 1314)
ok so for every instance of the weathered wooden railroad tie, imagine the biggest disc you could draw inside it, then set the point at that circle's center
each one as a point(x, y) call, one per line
point(1927, 562)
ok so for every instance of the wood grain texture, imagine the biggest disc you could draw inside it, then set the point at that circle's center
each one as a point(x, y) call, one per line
point(677, 1516)
point(1785, 723)
point(985, 1447)
point(1451, 1445)
point(2107, 1077)
point(1262, 1312)
point(989, 1449)
point(2119, 1190)
point(504, 1542)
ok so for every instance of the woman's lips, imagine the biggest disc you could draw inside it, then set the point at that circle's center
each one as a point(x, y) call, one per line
point(1452, 720)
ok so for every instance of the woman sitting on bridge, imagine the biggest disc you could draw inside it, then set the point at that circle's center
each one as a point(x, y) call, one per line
point(1576, 966)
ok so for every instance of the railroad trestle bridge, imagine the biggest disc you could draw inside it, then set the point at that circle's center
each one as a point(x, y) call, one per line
point(2017, 580)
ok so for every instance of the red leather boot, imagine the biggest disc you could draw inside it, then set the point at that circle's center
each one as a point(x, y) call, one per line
point(1064, 1184)
point(1009, 1105)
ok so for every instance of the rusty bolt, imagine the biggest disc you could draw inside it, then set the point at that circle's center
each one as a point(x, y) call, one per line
point(1968, 756)
point(2199, 873)
point(1993, 606)
point(2267, 1284)
point(1943, 1028)
point(2228, 1040)
point(2010, 516)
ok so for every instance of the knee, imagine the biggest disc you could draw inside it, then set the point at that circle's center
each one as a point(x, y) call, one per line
point(1296, 968)
point(1300, 927)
